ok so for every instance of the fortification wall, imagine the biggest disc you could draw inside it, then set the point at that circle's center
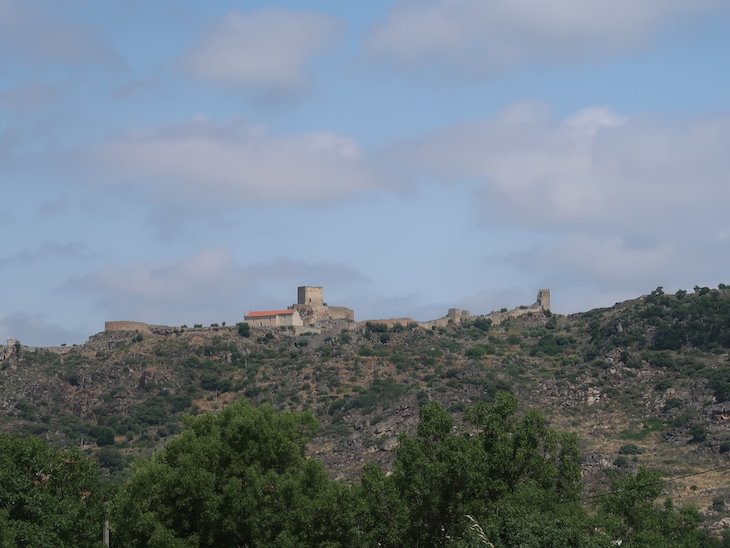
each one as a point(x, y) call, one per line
point(140, 327)
point(456, 316)
point(340, 313)
point(320, 315)
point(498, 317)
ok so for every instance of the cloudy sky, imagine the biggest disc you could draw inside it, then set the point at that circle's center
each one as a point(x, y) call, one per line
point(184, 162)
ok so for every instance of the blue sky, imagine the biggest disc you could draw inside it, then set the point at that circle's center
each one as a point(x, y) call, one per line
point(185, 162)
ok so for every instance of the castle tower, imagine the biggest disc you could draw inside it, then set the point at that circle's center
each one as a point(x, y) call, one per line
point(310, 295)
point(543, 299)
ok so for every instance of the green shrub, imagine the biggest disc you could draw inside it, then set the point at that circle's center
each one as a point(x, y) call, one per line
point(244, 330)
point(630, 449)
point(104, 436)
point(698, 433)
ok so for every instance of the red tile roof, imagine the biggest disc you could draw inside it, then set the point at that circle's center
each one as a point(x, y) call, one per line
point(267, 313)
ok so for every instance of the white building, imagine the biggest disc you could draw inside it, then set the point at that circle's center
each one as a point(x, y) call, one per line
point(273, 318)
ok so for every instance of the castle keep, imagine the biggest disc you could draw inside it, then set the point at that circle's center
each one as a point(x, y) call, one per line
point(314, 311)
point(310, 295)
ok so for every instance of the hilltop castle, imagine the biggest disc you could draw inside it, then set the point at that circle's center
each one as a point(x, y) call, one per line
point(310, 310)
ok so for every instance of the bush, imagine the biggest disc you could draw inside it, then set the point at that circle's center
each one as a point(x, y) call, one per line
point(104, 436)
point(479, 351)
point(111, 458)
point(630, 449)
point(698, 433)
point(244, 330)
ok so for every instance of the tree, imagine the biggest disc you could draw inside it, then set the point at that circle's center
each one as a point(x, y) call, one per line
point(513, 474)
point(236, 478)
point(631, 515)
point(48, 496)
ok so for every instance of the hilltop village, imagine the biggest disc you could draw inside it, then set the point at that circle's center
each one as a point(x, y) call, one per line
point(310, 314)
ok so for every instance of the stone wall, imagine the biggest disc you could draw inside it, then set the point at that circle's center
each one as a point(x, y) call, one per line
point(140, 327)
point(323, 315)
point(456, 316)
point(279, 320)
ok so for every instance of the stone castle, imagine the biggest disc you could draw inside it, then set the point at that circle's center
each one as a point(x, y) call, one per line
point(312, 312)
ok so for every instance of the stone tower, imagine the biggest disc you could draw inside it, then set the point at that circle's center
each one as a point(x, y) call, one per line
point(310, 295)
point(543, 299)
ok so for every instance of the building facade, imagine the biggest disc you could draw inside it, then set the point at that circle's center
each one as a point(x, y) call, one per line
point(273, 318)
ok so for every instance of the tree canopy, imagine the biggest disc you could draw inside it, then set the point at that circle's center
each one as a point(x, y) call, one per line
point(240, 477)
point(48, 496)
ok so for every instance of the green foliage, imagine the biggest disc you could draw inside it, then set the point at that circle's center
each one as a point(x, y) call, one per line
point(479, 351)
point(238, 478)
point(630, 449)
point(244, 330)
point(513, 472)
point(631, 514)
point(104, 436)
point(482, 324)
point(376, 327)
point(381, 393)
point(699, 320)
point(698, 433)
point(111, 459)
point(551, 345)
point(48, 497)
point(719, 381)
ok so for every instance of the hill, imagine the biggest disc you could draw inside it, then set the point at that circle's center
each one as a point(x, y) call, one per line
point(644, 382)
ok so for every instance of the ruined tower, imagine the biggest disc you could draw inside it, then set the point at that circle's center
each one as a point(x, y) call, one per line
point(543, 299)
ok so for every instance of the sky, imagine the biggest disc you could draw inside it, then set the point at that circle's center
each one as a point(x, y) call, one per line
point(179, 162)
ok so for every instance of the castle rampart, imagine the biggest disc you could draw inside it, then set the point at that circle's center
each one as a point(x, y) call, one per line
point(139, 327)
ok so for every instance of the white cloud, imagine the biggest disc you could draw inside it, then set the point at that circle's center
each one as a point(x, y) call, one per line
point(477, 36)
point(603, 260)
point(234, 162)
point(266, 52)
point(594, 170)
point(626, 203)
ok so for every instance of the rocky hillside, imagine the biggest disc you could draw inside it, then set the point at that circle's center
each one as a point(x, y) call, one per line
point(644, 382)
